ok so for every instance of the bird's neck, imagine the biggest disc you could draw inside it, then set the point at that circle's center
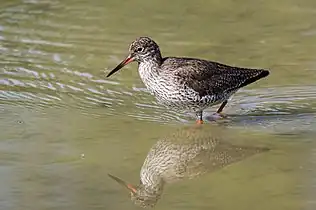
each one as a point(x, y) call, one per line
point(149, 72)
point(152, 185)
point(151, 178)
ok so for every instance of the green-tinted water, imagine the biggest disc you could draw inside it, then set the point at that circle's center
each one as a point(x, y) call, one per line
point(56, 104)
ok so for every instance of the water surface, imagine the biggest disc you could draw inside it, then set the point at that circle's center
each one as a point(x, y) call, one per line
point(56, 103)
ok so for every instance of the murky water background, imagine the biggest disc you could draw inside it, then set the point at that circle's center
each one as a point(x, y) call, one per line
point(56, 104)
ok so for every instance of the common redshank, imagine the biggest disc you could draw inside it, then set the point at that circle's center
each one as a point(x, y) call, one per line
point(188, 84)
point(186, 154)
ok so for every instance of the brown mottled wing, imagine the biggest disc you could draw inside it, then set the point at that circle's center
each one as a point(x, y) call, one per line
point(209, 78)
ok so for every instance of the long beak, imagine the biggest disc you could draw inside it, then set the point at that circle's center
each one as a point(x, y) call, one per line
point(130, 187)
point(126, 61)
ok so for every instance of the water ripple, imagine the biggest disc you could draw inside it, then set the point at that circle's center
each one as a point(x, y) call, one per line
point(46, 62)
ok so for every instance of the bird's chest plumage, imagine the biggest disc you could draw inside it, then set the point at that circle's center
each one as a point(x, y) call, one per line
point(170, 91)
point(155, 82)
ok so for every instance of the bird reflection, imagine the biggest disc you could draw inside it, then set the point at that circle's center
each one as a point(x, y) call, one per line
point(187, 153)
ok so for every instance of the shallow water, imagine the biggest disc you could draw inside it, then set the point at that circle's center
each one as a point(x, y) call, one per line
point(64, 125)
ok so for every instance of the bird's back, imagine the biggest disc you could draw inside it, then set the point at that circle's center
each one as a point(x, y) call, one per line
point(208, 77)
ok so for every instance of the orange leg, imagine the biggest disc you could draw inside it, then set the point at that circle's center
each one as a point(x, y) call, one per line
point(199, 120)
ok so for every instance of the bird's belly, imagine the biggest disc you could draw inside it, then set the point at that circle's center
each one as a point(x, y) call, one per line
point(177, 97)
point(185, 100)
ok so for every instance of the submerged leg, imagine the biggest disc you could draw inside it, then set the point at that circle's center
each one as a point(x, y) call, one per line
point(218, 114)
point(199, 116)
point(220, 109)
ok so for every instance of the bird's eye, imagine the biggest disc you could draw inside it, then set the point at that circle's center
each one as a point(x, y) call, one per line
point(140, 49)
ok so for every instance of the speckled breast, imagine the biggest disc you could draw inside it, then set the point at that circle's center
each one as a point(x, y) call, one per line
point(170, 93)
point(180, 98)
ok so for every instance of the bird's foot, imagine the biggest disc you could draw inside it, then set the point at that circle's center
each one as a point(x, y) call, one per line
point(199, 122)
point(217, 116)
point(221, 114)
